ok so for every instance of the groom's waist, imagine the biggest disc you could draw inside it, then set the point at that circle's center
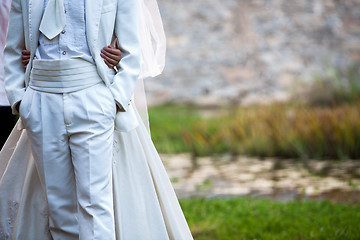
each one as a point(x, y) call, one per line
point(63, 76)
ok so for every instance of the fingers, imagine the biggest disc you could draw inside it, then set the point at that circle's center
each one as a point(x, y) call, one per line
point(114, 51)
point(25, 61)
point(108, 64)
point(17, 107)
point(25, 52)
point(109, 60)
point(111, 56)
point(25, 57)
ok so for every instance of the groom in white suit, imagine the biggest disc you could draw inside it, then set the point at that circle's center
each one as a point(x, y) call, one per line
point(68, 100)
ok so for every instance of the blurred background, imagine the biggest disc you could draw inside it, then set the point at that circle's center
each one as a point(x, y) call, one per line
point(257, 116)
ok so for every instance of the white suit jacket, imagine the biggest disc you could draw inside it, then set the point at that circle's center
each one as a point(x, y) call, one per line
point(105, 19)
point(4, 18)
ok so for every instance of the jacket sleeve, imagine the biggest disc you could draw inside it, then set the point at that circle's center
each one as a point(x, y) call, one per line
point(127, 32)
point(15, 43)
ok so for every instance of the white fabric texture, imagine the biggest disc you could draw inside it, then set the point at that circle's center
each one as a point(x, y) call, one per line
point(69, 40)
point(153, 49)
point(143, 194)
point(63, 76)
point(104, 20)
point(71, 137)
point(152, 39)
point(54, 19)
point(145, 204)
point(4, 19)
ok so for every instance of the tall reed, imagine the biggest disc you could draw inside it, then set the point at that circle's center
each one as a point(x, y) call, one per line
point(281, 130)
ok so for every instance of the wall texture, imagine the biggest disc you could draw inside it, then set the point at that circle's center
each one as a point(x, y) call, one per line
point(248, 51)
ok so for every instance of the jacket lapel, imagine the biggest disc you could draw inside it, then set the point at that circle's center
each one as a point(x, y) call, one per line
point(92, 21)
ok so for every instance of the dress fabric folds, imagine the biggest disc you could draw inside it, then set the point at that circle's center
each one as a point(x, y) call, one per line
point(145, 204)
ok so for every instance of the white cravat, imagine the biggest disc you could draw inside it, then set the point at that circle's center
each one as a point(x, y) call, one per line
point(53, 20)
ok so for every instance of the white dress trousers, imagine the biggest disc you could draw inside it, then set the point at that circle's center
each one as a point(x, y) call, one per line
point(71, 136)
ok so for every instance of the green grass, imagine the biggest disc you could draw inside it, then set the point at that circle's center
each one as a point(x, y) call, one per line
point(333, 87)
point(251, 218)
point(323, 123)
point(278, 130)
point(169, 123)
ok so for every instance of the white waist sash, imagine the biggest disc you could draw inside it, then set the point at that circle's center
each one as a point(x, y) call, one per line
point(63, 76)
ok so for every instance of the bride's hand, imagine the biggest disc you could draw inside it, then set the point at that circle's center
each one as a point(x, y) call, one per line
point(17, 107)
point(111, 55)
point(25, 57)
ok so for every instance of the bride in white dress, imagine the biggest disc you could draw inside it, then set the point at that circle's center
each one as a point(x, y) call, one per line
point(145, 204)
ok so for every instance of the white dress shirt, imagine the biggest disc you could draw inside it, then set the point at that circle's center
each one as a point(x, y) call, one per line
point(71, 42)
point(4, 19)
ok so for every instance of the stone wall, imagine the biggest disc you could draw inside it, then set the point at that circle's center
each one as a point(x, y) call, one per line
point(251, 51)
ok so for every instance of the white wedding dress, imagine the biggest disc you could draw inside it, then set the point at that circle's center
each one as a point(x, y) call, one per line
point(145, 204)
